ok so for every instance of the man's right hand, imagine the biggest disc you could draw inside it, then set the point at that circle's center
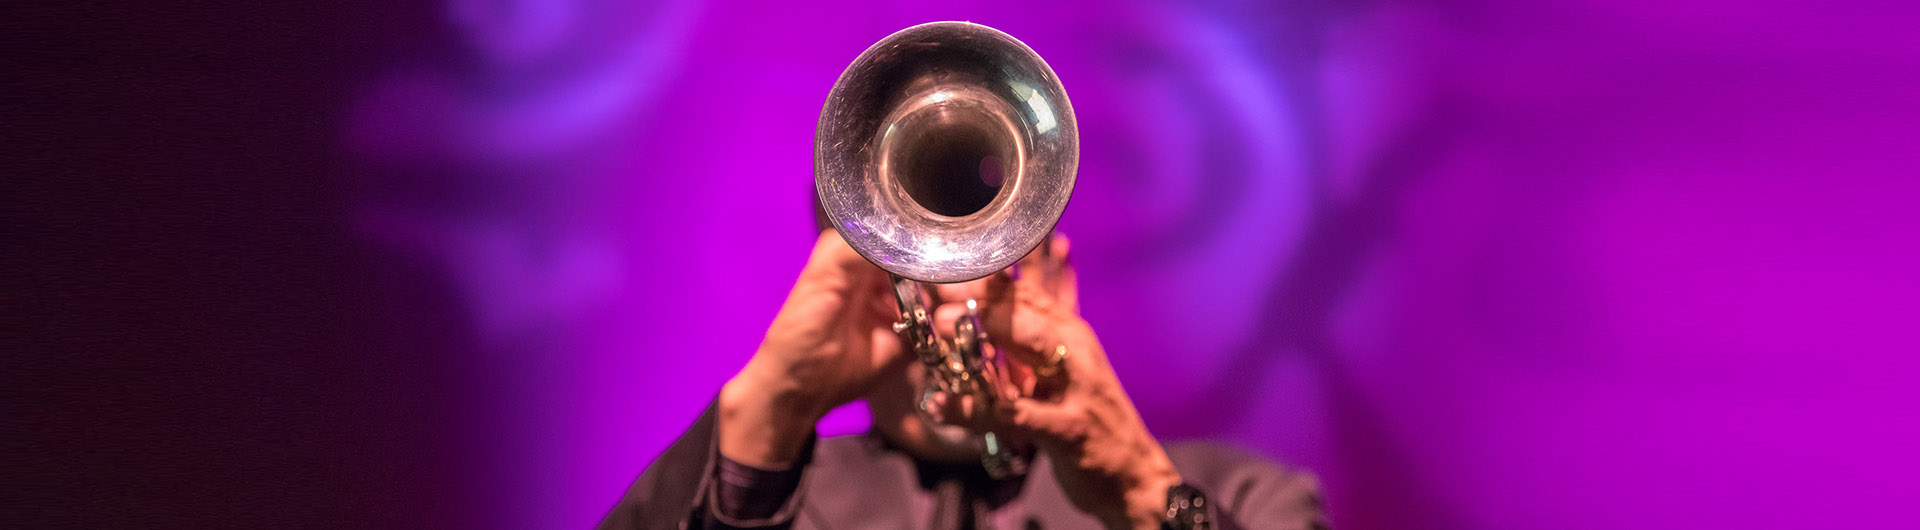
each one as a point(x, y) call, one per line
point(831, 343)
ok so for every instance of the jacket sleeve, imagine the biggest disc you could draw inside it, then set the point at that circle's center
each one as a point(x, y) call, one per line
point(678, 490)
point(1250, 492)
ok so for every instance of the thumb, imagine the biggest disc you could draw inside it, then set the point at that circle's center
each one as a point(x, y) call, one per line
point(832, 251)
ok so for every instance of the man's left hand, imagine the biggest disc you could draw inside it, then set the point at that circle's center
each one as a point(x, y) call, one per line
point(1071, 402)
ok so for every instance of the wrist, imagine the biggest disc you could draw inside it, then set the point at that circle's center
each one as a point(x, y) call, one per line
point(764, 421)
point(1146, 499)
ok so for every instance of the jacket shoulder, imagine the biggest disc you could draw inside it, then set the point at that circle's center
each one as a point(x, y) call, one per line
point(1249, 487)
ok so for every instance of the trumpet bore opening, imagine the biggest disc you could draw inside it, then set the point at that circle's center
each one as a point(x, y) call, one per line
point(953, 157)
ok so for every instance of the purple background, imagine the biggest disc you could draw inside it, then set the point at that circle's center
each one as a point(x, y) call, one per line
point(1476, 264)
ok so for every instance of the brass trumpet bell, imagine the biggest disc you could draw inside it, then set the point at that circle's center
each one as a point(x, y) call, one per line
point(946, 152)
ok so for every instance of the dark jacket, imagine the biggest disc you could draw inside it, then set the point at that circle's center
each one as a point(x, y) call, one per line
point(859, 482)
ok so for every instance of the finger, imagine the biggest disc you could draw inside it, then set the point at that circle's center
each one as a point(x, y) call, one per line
point(944, 317)
point(961, 410)
point(1062, 355)
point(830, 248)
point(1042, 266)
point(961, 292)
point(881, 305)
point(938, 408)
point(1035, 336)
point(999, 289)
point(1001, 380)
point(870, 301)
point(997, 302)
point(1035, 266)
point(1022, 331)
point(1018, 377)
point(866, 285)
point(1003, 303)
point(889, 354)
point(1048, 273)
point(1042, 280)
point(1058, 422)
point(1063, 280)
point(832, 255)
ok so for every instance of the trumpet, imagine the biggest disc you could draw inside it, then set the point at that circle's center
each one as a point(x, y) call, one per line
point(945, 153)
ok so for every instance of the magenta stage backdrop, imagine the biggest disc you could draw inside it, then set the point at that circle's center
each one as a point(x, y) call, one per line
point(1478, 264)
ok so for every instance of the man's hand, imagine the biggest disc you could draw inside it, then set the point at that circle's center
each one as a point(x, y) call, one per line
point(1075, 410)
point(829, 345)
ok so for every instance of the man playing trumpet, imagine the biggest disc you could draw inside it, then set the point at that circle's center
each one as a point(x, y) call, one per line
point(753, 461)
